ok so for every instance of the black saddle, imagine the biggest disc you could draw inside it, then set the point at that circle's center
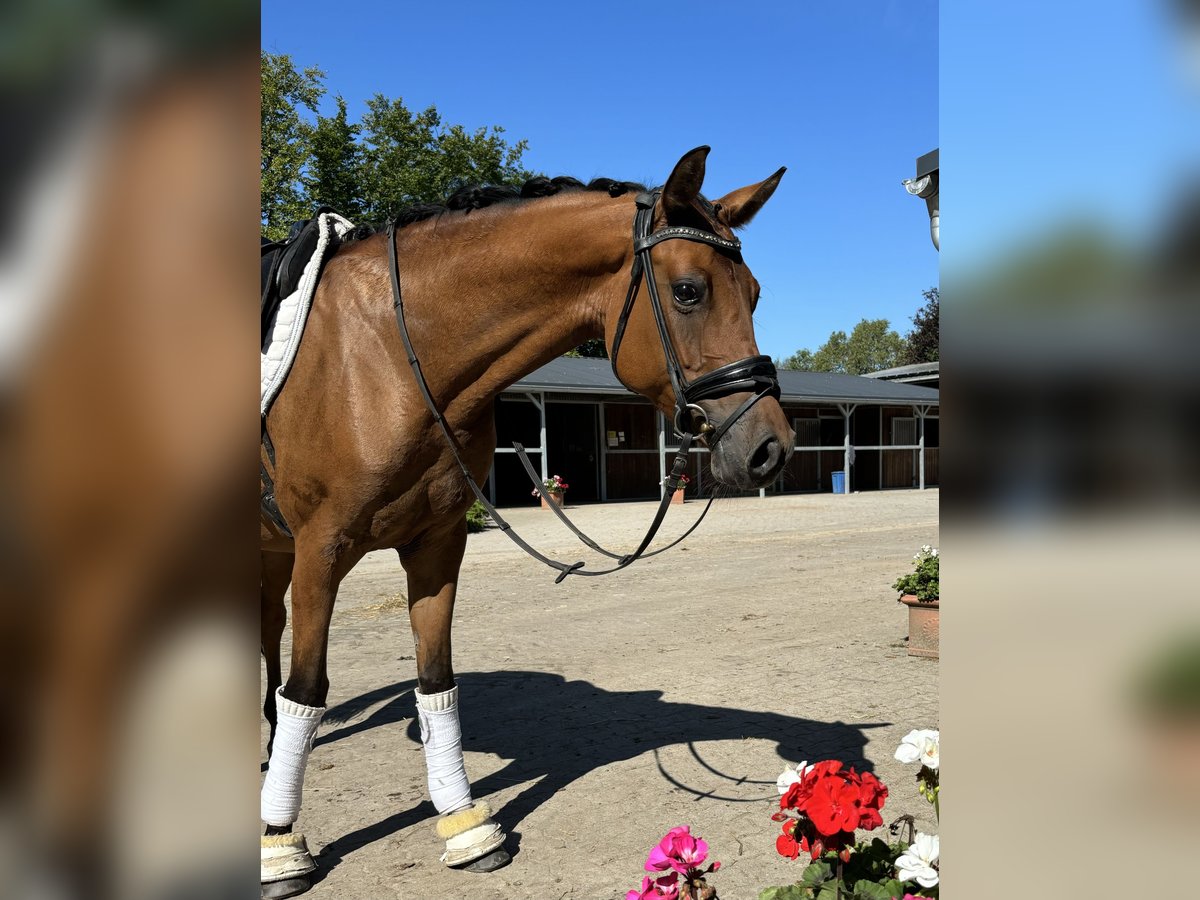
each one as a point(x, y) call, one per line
point(283, 263)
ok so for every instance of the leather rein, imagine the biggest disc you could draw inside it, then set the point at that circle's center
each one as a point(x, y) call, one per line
point(755, 373)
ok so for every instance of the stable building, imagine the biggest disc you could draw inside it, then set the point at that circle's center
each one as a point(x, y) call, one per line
point(576, 420)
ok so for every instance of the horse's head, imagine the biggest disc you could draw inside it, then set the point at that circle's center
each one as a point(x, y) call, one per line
point(707, 296)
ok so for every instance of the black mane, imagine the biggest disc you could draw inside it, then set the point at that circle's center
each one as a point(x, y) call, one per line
point(472, 197)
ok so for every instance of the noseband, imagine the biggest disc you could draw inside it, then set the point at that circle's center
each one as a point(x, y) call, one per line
point(754, 373)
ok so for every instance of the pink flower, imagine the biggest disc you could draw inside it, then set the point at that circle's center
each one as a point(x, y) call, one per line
point(664, 888)
point(678, 850)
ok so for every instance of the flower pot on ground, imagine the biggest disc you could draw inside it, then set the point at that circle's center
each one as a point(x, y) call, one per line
point(554, 488)
point(924, 622)
point(920, 591)
point(679, 495)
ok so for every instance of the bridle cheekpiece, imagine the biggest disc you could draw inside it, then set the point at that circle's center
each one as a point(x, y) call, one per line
point(755, 374)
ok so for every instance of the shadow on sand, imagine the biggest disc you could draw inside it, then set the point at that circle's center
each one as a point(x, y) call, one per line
point(556, 731)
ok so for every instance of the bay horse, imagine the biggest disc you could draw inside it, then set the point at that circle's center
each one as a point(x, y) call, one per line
point(494, 286)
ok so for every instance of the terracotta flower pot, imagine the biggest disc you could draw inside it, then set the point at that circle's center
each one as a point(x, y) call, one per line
point(555, 497)
point(677, 497)
point(923, 626)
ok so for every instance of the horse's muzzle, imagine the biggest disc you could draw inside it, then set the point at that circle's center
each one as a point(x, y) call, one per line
point(753, 452)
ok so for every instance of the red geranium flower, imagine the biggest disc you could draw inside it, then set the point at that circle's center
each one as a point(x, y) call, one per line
point(834, 805)
point(831, 802)
point(791, 797)
point(874, 793)
point(786, 843)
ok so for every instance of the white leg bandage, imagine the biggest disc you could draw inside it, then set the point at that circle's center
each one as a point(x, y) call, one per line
point(442, 737)
point(296, 726)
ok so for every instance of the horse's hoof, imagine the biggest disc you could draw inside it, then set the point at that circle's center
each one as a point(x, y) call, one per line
point(285, 865)
point(474, 840)
point(290, 887)
point(490, 863)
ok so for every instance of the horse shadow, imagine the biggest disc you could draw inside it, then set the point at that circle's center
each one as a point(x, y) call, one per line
point(556, 731)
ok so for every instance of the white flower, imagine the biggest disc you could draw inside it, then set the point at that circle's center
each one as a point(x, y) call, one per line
point(922, 746)
point(933, 552)
point(790, 775)
point(916, 863)
point(926, 548)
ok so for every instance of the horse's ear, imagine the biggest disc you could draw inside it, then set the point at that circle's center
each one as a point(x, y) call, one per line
point(683, 186)
point(738, 207)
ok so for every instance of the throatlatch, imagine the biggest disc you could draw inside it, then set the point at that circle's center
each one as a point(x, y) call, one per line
point(754, 374)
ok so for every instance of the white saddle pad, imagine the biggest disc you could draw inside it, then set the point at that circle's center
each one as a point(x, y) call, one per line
point(276, 362)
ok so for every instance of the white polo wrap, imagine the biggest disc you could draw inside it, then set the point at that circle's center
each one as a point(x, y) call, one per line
point(442, 737)
point(295, 729)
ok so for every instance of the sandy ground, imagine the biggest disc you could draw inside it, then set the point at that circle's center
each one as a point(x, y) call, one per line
point(599, 713)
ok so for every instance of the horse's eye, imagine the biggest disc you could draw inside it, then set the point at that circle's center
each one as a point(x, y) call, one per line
point(686, 294)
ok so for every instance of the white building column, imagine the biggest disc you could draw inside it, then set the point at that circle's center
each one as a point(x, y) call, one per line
point(662, 453)
point(922, 411)
point(846, 409)
point(539, 400)
point(542, 436)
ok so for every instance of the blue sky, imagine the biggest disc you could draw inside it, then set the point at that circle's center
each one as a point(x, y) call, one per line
point(843, 94)
point(1054, 113)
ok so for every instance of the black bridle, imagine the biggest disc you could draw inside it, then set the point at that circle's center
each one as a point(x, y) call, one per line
point(755, 373)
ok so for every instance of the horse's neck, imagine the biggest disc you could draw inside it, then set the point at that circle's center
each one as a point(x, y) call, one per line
point(503, 291)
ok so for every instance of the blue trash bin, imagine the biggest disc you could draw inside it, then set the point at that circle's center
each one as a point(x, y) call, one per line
point(839, 482)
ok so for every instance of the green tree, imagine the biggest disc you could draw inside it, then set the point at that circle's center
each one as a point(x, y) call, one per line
point(411, 158)
point(872, 346)
point(334, 172)
point(369, 169)
point(593, 349)
point(286, 139)
point(800, 361)
point(831, 355)
point(923, 341)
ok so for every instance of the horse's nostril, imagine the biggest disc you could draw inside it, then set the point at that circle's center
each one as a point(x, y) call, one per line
point(765, 458)
point(760, 456)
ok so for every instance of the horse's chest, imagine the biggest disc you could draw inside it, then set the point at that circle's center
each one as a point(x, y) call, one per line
point(428, 493)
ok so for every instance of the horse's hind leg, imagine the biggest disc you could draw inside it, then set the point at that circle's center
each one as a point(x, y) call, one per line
point(473, 839)
point(275, 578)
point(286, 861)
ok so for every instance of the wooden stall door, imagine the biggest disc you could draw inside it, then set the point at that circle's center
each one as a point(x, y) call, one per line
point(804, 470)
point(573, 448)
point(899, 466)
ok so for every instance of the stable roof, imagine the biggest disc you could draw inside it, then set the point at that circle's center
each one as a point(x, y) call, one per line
point(925, 371)
point(595, 376)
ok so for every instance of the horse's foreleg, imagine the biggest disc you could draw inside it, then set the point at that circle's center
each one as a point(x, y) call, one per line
point(299, 706)
point(276, 575)
point(473, 839)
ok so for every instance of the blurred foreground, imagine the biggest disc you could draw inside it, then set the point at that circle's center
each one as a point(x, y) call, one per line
point(128, 619)
point(1071, 514)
